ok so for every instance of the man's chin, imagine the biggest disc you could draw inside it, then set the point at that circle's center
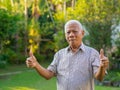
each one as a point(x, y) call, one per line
point(71, 43)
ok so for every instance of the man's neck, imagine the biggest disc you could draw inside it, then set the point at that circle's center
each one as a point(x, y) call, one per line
point(75, 48)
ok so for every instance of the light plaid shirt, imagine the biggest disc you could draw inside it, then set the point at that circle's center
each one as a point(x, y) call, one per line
point(75, 71)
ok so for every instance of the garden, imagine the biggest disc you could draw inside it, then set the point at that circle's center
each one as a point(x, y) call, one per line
point(40, 24)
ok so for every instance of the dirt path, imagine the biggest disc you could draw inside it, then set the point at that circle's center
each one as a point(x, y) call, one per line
point(13, 73)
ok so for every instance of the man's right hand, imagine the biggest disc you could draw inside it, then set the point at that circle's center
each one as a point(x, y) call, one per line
point(31, 60)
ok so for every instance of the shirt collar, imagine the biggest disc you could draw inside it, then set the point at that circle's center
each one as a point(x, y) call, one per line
point(82, 48)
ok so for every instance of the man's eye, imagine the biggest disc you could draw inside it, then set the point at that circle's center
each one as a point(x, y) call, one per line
point(68, 32)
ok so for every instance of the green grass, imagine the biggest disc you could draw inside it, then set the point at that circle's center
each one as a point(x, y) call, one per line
point(13, 68)
point(106, 88)
point(30, 80)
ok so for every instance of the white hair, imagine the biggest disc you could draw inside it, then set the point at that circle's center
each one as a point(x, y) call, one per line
point(73, 22)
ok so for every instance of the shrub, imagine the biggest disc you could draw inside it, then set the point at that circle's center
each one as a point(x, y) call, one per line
point(3, 60)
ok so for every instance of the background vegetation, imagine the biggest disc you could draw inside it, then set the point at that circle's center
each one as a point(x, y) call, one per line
point(40, 23)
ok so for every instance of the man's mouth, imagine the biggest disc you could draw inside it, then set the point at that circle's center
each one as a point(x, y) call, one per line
point(71, 39)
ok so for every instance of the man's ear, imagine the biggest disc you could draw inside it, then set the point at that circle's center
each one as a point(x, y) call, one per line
point(83, 32)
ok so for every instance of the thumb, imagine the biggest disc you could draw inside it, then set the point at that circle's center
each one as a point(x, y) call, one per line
point(31, 52)
point(101, 53)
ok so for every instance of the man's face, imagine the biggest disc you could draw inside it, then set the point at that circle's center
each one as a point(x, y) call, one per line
point(74, 35)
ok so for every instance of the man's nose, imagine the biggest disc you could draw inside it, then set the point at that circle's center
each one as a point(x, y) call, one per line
point(71, 34)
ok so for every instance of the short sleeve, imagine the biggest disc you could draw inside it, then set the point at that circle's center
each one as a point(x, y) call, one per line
point(95, 61)
point(53, 66)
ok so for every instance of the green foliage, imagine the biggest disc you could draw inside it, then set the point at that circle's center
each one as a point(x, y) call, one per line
point(48, 42)
point(5, 18)
point(60, 41)
point(96, 16)
point(99, 34)
point(10, 25)
point(113, 77)
point(12, 57)
point(3, 60)
point(47, 29)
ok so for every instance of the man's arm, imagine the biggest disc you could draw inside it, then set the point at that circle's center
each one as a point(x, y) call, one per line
point(99, 75)
point(44, 72)
point(32, 63)
point(104, 63)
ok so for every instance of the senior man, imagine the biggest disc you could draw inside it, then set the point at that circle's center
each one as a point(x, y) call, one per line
point(75, 66)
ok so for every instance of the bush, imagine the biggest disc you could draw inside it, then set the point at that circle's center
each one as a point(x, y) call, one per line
point(40, 57)
point(113, 77)
point(14, 57)
point(3, 60)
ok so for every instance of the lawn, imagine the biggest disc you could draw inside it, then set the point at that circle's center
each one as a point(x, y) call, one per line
point(28, 79)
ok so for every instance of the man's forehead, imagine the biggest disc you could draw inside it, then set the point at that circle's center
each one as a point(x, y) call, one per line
point(72, 26)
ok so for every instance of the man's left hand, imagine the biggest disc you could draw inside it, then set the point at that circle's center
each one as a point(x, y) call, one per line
point(104, 61)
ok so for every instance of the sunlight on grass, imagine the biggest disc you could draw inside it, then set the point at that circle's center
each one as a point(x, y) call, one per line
point(20, 88)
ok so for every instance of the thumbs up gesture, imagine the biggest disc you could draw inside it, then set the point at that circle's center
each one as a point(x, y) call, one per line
point(31, 60)
point(104, 62)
